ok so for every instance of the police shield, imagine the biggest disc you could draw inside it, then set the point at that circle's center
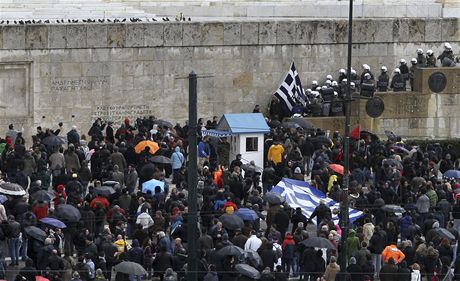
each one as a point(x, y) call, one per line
point(375, 107)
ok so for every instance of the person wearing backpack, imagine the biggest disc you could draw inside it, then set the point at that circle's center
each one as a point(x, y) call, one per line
point(288, 247)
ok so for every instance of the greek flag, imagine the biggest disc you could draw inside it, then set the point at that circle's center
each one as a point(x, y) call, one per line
point(301, 194)
point(290, 92)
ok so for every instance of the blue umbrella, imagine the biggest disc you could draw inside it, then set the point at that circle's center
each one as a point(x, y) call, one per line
point(151, 184)
point(452, 174)
point(247, 214)
point(53, 222)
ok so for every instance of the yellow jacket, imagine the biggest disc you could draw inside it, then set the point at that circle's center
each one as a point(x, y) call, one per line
point(275, 153)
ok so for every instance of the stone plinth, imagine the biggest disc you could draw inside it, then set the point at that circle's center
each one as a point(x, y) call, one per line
point(445, 80)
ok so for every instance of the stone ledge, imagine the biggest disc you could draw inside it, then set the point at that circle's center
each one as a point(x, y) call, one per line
point(276, 32)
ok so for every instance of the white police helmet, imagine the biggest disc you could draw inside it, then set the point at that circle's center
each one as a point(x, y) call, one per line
point(366, 67)
point(353, 71)
point(403, 61)
point(329, 77)
point(384, 68)
point(352, 84)
point(447, 46)
point(328, 82)
point(429, 52)
point(318, 88)
point(334, 83)
point(342, 71)
point(314, 82)
point(367, 76)
point(397, 70)
point(419, 51)
point(344, 80)
point(413, 60)
point(336, 94)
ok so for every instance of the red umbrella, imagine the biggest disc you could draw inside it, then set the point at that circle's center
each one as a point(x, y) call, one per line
point(336, 168)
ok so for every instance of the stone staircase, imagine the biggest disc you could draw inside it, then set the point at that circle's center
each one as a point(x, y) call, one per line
point(67, 9)
point(80, 9)
point(291, 8)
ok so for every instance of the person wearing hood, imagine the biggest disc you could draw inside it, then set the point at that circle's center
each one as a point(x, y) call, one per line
point(177, 161)
point(28, 272)
point(331, 270)
point(355, 271)
point(73, 137)
point(352, 244)
point(136, 254)
point(288, 247)
point(170, 275)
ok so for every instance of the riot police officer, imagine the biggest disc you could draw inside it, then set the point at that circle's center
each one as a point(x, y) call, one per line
point(404, 69)
point(367, 86)
point(430, 59)
point(421, 60)
point(336, 105)
point(398, 83)
point(447, 53)
point(342, 75)
point(414, 65)
point(383, 80)
point(366, 69)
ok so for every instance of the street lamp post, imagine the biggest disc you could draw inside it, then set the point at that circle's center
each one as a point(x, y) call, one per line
point(344, 222)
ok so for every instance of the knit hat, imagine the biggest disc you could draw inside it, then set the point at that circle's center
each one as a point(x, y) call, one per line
point(352, 260)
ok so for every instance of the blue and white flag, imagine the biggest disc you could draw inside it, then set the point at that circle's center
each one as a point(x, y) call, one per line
point(290, 92)
point(299, 194)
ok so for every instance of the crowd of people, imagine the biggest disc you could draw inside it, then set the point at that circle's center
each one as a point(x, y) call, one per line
point(99, 219)
point(325, 98)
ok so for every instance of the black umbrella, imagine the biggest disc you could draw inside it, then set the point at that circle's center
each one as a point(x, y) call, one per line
point(273, 198)
point(104, 190)
point(302, 123)
point(35, 233)
point(393, 209)
point(318, 242)
point(68, 212)
point(444, 233)
point(9, 188)
point(274, 123)
point(290, 125)
point(42, 195)
point(163, 123)
point(252, 258)
point(53, 140)
point(231, 222)
point(230, 251)
point(247, 270)
point(319, 140)
point(129, 267)
point(160, 159)
point(112, 184)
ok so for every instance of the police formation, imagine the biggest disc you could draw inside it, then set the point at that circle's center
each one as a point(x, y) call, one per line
point(328, 99)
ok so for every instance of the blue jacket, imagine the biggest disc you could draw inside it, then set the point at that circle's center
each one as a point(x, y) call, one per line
point(202, 151)
point(177, 159)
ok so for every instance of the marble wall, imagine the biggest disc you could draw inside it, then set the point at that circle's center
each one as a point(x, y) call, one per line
point(80, 72)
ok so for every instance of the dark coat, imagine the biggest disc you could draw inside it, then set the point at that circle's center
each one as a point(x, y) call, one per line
point(389, 272)
point(136, 254)
point(163, 261)
point(356, 272)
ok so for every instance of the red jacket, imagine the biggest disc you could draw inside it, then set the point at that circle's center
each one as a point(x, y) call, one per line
point(288, 240)
point(40, 210)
